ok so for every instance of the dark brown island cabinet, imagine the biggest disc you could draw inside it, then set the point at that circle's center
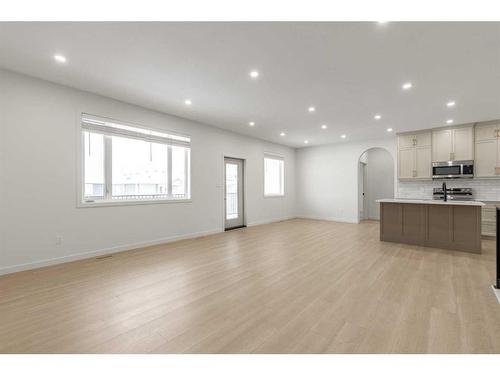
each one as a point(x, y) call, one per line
point(452, 225)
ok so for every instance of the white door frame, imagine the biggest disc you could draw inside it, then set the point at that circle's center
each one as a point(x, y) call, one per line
point(223, 190)
point(362, 214)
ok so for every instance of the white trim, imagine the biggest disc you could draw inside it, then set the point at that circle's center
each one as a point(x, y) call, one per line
point(272, 155)
point(126, 247)
point(131, 202)
point(329, 218)
point(105, 251)
point(101, 127)
point(497, 292)
point(270, 221)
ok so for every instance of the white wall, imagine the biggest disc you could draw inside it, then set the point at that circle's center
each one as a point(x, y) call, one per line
point(327, 179)
point(38, 158)
point(379, 183)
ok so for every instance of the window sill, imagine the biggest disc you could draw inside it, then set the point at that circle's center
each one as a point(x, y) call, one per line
point(107, 203)
point(274, 196)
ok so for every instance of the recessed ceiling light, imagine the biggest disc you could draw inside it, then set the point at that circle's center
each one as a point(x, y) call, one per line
point(389, 130)
point(382, 22)
point(251, 123)
point(450, 121)
point(188, 102)
point(60, 58)
point(377, 117)
point(324, 126)
point(407, 86)
point(254, 74)
point(282, 134)
point(451, 104)
point(343, 136)
point(311, 109)
point(306, 141)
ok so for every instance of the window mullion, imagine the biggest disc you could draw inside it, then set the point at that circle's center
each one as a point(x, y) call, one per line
point(108, 166)
point(169, 171)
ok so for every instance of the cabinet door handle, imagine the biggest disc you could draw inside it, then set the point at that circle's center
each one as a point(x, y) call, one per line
point(414, 141)
point(496, 133)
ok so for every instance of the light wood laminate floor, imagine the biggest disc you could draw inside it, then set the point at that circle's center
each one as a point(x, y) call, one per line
point(299, 286)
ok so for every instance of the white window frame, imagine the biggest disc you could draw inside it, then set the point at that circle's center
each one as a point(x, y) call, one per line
point(275, 157)
point(150, 134)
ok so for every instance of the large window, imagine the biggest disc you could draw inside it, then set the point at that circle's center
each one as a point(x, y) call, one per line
point(274, 176)
point(127, 163)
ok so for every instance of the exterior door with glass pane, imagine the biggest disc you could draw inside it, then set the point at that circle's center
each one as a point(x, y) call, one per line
point(233, 193)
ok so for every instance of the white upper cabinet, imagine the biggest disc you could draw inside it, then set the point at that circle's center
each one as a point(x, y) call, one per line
point(423, 162)
point(463, 143)
point(486, 158)
point(406, 141)
point(480, 143)
point(441, 145)
point(423, 139)
point(485, 132)
point(487, 150)
point(414, 156)
point(406, 167)
point(453, 144)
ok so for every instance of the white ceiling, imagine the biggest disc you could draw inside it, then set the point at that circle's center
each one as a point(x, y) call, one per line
point(348, 71)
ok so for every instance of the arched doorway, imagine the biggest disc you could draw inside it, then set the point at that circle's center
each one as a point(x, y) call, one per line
point(375, 181)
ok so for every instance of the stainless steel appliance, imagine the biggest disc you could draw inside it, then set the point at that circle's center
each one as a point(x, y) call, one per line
point(453, 169)
point(460, 194)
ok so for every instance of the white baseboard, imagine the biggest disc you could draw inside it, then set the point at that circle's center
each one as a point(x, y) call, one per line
point(327, 218)
point(137, 245)
point(106, 251)
point(269, 221)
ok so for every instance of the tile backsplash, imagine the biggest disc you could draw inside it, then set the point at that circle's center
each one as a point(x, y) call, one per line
point(484, 190)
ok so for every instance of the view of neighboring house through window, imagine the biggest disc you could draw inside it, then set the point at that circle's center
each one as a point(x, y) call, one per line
point(123, 162)
point(274, 182)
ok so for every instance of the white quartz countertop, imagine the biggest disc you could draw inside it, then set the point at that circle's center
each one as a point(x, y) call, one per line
point(431, 201)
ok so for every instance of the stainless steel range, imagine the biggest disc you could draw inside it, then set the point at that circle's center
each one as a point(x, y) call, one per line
point(457, 194)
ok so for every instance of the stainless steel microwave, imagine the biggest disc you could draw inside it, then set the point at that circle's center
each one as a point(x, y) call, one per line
point(453, 169)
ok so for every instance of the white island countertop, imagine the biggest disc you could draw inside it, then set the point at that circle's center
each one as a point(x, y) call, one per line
point(431, 201)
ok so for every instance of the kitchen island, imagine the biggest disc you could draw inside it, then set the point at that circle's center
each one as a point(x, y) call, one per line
point(452, 225)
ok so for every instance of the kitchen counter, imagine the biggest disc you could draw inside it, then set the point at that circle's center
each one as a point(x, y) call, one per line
point(451, 225)
point(431, 201)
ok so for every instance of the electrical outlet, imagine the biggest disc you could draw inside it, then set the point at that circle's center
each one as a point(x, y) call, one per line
point(59, 239)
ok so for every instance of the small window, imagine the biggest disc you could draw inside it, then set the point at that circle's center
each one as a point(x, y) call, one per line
point(124, 163)
point(274, 181)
